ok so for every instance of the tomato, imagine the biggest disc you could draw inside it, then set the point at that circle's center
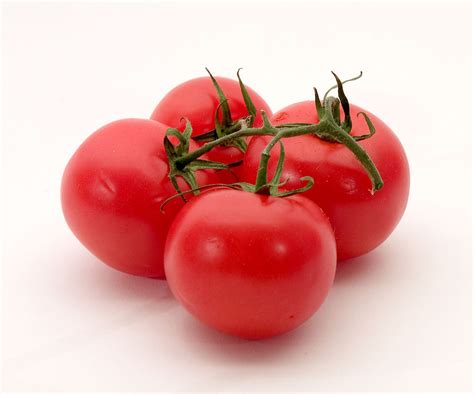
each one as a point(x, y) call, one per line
point(111, 193)
point(197, 100)
point(250, 265)
point(361, 221)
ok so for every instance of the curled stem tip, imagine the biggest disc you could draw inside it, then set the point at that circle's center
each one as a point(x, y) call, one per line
point(226, 114)
point(343, 82)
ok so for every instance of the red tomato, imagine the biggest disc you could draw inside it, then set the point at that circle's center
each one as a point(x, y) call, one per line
point(250, 265)
point(197, 100)
point(111, 193)
point(361, 221)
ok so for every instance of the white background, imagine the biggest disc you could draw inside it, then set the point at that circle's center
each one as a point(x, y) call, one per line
point(396, 319)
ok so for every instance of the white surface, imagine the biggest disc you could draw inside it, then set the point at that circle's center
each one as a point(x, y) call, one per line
point(396, 319)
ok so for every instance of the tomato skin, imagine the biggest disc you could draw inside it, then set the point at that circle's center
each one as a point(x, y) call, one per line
point(361, 221)
point(111, 193)
point(249, 265)
point(197, 101)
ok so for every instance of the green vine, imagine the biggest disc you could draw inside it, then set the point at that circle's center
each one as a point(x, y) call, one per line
point(271, 188)
point(184, 163)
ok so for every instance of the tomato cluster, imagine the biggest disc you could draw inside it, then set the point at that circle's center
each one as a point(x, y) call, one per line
point(245, 212)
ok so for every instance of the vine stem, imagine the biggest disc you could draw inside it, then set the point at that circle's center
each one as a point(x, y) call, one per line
point(327, 129)
point(292, 130)
point(247, 132)
point(336, 133)
point(265, 156)
point(362, 156)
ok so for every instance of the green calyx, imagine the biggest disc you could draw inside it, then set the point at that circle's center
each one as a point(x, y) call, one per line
point(223, 123)
point(262, 186)
point(330, 109)
point(174, 152)
point(233, 133)
point(267, 188)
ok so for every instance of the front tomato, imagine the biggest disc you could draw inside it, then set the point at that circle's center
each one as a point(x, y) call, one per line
point(111, 193)
point(250, 265)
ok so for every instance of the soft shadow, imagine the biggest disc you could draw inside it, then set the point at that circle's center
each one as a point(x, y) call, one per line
point(220, 348)
point(87, 277)
point(210, 344)
point(82, 281)
point(358, 267)
point(86, 274)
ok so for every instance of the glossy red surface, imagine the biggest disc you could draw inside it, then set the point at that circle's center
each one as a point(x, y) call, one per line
point(111, 193)
point(250, 265)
